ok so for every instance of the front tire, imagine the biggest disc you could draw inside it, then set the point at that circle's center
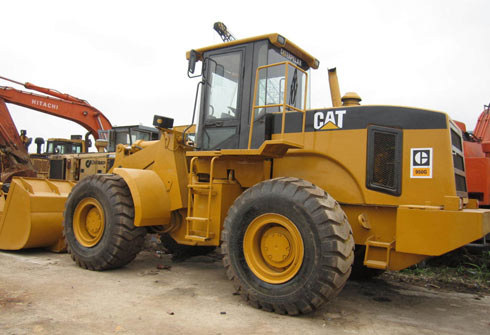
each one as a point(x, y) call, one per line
point(98, 223)
point(287, 246)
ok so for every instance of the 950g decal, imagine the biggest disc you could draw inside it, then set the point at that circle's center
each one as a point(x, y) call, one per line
point(421, 163)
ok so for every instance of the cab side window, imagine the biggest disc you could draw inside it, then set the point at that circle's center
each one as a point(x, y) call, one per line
point(223, 86)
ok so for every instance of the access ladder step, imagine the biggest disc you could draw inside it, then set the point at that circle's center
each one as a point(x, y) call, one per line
point(197, 238)
point(201, 186)
point(376, 264)
point(378, 254)
point(195, 218)
point(379, 244)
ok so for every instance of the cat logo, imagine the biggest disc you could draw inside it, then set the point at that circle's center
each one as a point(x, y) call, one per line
point(327, 120)
point(421, 163)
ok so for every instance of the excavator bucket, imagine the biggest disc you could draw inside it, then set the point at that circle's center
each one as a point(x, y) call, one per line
point(31, 214)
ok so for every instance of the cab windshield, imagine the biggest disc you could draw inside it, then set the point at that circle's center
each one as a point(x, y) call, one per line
point(56, 147)
point(130, 136)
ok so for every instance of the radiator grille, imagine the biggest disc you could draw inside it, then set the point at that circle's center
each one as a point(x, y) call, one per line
point(384, 159)
point(458, 161)
point(384, 156)
point(57, 169)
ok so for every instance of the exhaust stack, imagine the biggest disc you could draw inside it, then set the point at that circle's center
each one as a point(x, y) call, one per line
point(334, 87)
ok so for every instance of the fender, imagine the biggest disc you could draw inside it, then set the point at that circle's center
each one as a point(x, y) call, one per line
point(150, 197)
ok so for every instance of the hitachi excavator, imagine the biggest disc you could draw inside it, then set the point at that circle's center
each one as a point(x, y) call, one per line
point(477, 162)
point(15, 159)
point(477, 158)
point(65, 161)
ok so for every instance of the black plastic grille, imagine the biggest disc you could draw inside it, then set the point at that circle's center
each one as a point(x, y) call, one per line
point(384, 159)
point(456, 140)
point(458, 162)
point(57, 169)
point(460, 183)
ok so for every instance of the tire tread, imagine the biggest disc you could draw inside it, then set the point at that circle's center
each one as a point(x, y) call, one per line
point(126, 240)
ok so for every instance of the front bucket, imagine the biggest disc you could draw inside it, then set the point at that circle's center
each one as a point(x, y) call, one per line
point(32, 214)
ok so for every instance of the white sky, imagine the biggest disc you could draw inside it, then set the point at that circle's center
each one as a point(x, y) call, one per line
point(127, 58)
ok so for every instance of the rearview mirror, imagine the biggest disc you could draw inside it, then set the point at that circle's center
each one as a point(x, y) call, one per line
point(192, 61)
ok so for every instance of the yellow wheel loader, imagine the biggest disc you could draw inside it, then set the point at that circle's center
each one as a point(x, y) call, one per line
point(294, 196)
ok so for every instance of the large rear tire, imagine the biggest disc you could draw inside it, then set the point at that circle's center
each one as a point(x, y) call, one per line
point(287, 246)
point(98, 223)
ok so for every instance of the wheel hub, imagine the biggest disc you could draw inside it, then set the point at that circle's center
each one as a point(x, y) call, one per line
point(273, 248)
point(94, 223)
point(88, 222)
point(276, 247)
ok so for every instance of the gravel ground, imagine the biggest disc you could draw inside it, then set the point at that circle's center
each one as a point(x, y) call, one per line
point(45, 293)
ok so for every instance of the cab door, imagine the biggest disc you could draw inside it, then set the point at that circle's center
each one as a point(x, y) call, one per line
point(225, 98)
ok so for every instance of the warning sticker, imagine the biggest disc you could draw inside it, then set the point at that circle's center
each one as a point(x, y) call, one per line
point(421, 163)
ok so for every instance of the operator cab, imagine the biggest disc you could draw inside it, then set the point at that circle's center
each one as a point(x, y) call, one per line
point(229, 74)
point(127, 135)
point(64, 146)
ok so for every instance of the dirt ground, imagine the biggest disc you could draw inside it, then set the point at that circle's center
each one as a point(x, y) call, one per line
point(45, 293)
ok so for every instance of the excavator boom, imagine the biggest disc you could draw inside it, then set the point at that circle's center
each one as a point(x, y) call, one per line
point(80, 112)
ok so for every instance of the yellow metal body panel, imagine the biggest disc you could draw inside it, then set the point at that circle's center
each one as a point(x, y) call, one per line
point(32, 214)
point(336, 161)
point(166, 157)
point(429, 231)
point(150, 197)
point(377, 223)
point(90, 164)
point(246, 171)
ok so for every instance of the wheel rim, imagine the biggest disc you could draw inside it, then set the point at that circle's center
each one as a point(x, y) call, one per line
point(273, 248)
point(88, 222)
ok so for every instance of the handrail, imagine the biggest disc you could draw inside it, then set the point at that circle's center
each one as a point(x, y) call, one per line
point(285, 106)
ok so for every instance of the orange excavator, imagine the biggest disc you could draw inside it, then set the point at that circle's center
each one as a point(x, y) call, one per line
point(14, 157)
point(477, 158)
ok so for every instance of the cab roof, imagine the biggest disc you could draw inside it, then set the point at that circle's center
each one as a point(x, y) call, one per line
point(275, 39)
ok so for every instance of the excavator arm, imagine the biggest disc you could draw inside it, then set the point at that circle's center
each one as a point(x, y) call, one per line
point(14, 159)
point(79, 111)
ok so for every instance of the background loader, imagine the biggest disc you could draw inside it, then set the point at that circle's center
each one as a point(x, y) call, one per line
point(285, 190)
